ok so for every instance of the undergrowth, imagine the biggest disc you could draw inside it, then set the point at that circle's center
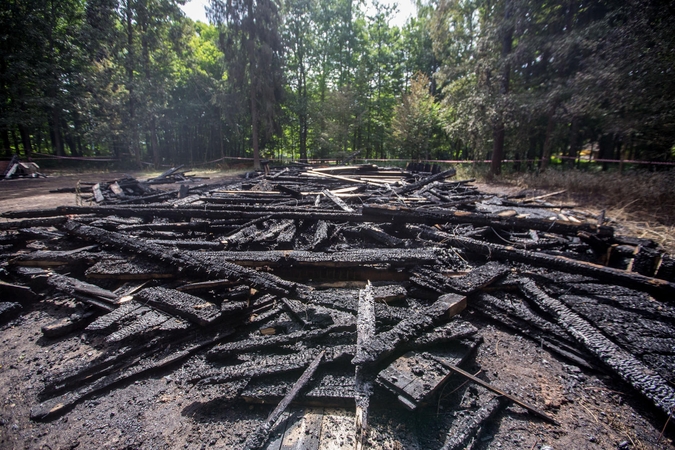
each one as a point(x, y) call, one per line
point(642, 202)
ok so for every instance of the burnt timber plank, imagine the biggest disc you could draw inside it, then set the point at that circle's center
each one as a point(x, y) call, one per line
point(274, 364)
point(68, 324)
point(469, 424)
point(383, 344)
point(477, 279)
point(655, 286)
point(118, 268)
point(427, 180)
point(268, 342)
point(108, 321)
point(338, 201)
point(144, 321)
point(259, 436)
point(87, 292)
point(414, 377)
point(139, 366)
point(52, 258)
point(191, 261)
point(623, 363)
point(352, 258)
point(28, 223)
point(363, 383)
point(403, 214)
point(184, 305)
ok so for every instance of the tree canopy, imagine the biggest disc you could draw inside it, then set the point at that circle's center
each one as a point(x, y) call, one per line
point(299, 79)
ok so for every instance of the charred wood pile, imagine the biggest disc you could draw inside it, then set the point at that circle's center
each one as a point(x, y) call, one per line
point(341, 286)
point(15, 168)
point(129, 190)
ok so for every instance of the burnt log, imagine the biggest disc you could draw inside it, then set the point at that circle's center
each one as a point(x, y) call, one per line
point(184, 305)
point(408, 215)
point(191, 261)
point(621, 362)
point(259, 436)
point(425, 181)
point(142, 365)
point(383, 344)
point(469, 425)
point(656, 286)
point(353, 258)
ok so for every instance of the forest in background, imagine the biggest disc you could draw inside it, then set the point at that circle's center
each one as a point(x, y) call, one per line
point(301, 79)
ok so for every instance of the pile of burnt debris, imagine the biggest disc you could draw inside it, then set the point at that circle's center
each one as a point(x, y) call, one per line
point(338, 286)
point(15, 168)
point(129, 190)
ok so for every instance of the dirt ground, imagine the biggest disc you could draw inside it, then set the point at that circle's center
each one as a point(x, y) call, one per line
point(163, 411)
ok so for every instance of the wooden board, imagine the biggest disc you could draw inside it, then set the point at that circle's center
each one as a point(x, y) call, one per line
point(414, 378)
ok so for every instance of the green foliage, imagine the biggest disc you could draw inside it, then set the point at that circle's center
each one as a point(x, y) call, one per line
point(465, 79)
point(415, 119)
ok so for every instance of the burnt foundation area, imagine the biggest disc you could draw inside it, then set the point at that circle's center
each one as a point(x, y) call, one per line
point(340, 307)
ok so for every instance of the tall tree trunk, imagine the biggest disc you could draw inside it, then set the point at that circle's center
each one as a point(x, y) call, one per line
point(7, 148)
point(134, 144)
point(573, 151)
point(154, 143)
point(548, 141)
point(253, 90)
point(25, 139)
point(57, 139)
point(498, 130)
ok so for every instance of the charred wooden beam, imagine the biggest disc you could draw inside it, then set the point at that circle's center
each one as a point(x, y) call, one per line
point(9, 310)
point(208, 285)
point(320, 235)
point(377, 234)
point(354, 258)
point(387, 342)
point(87, 292)
point(425, 181)
point(621, 362)
point(408, 215)
point(363, 381)
point(414, 377)
point(476, 279)
point(263, 342)
point(259, 436)
point(338, 201)
point(47, 222)
point(658, 287)
point(275, 364)
point(146, 321)
point(54, 407)
point(52, 258)
point(191, 261)
point(184, 305)
point(17, 292)
point(68, 324)
point(133, 268)
point(469, 425)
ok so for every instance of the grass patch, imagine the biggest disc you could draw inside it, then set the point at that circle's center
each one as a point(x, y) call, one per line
point(641, 202)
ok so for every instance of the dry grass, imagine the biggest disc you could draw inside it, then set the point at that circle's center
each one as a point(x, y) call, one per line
point(641, 203)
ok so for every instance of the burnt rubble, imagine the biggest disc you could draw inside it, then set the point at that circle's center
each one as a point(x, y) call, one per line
point(339, 286)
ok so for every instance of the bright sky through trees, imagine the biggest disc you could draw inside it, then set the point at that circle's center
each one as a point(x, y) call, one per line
point(194, 9)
